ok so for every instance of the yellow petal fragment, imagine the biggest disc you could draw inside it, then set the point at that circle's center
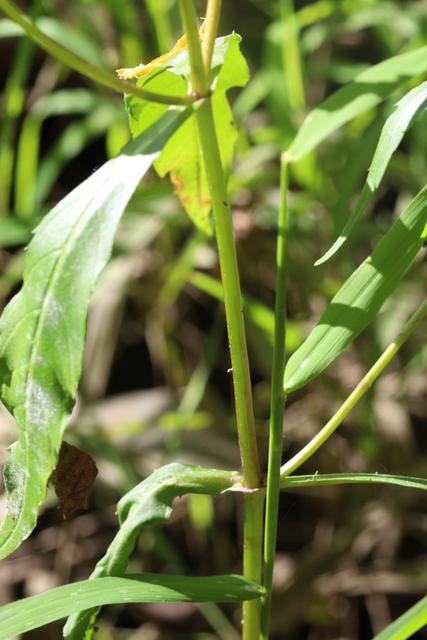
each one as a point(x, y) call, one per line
point(143, 69)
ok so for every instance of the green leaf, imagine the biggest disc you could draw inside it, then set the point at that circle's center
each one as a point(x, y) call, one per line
point(407, 111)
point(30, 613)
point(369, 89)
point(148, 503)
point(352, 478)
point(42, 330)
point(182, 155)
point(405, 626)
point(361, 297)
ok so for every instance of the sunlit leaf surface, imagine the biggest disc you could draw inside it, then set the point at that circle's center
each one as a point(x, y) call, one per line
point(42, 330)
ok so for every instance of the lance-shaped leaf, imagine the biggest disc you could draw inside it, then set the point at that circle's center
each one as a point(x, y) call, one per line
point(30, 613)
point(409, 623)
point(148, 503)
point(407, 111)
point(42, 330)
point(361, 296)
point(369, 89)
point(182, 155)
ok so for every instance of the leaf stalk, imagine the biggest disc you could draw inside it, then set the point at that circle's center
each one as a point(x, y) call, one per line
point(354, 397)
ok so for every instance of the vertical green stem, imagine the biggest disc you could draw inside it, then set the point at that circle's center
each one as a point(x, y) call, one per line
point(227, 256)
point(252, 560)
point(189, 20)
point(212, 20)
point(232, 294)
point(252, 557)
point(277, 401)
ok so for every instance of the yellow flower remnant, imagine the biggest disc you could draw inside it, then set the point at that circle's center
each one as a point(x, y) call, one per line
point(143, 69)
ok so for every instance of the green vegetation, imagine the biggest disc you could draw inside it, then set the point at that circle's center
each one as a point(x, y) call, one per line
point(216, 339)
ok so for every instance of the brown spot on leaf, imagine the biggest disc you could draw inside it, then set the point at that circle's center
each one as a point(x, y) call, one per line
point(73, 478)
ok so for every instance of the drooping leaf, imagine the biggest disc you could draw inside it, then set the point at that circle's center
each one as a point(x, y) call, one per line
point(73, 478)
point(408, 624)
point(361, 296)
point(182, 155)
point(148, 503)
point(369, 89)
point(352, 478)
point(42, 330)
point(30, 613)
point(407, 111)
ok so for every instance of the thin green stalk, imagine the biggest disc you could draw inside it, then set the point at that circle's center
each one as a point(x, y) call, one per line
point(85, 68)
point(252, 560)
point(228, 259)
point(189, 20)
point(213, 12)
point(232, 295)
point(359, 391)
point(277, 400)
point(252, 557)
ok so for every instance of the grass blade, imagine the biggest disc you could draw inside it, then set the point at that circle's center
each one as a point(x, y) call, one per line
point(405, 626)
point(407, 111)
point(361, 297)
point(369, 89)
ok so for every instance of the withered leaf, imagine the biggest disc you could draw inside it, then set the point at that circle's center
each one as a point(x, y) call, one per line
point(73, 478)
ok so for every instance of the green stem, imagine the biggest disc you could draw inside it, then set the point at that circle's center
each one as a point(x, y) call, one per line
point(232, 295)
point(189, 20)
point(277, 401)
point(85, 68)
point(213, 12)
point(227, 257)
point(359, 391)
point(252, 560)
point(252, 557)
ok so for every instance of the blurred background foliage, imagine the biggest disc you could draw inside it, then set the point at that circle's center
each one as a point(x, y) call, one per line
point(155, 386)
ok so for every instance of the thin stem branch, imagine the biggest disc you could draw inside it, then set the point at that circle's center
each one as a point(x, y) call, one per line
point(198, 77)
point(213, 12)
point(277, 400)
point(359, 391)
point(252, 560)
point(85, 68)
